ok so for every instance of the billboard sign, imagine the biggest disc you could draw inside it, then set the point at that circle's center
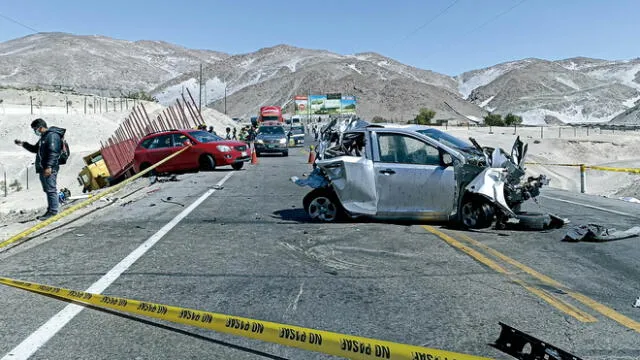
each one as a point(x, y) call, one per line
point(325, 104)
point(301, 103)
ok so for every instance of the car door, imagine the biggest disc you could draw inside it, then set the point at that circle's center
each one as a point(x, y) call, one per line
point(188, 160)
point(160, 148)
point(411, 181)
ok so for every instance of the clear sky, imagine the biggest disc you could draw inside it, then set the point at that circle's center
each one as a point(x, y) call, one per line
point(470, 34)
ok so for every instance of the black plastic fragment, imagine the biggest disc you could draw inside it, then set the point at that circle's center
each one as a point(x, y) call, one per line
point(525, 347)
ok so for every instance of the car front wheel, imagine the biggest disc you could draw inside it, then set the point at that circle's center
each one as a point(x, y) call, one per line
point(237, 166)
point(322, 205)
point(475, 213)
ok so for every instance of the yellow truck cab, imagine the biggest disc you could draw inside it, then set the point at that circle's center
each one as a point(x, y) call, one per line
point(95, 175)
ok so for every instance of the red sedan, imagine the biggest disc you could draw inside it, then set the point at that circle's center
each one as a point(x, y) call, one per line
point(207, 151)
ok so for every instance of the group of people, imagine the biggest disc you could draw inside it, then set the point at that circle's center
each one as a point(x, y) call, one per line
point(247, 133)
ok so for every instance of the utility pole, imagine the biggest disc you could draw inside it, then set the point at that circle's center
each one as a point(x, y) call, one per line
point(200, 98)
point(225, 98)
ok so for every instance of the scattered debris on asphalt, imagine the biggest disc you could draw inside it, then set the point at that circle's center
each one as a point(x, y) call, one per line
point(637, 303)
point(217, 187)
point(599, 233)
point(152, 191)
point(168, 200)
point(150, 205)
point(171, 178)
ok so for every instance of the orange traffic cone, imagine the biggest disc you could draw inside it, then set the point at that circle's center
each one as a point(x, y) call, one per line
point(254, 156)
point(312, 155)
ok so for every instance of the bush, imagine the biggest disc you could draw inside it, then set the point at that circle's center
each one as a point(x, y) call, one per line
point(511, 119)
point(16, 184)
point(425, 116)
point(140, 95)
point(493, 120)
point(379, 119)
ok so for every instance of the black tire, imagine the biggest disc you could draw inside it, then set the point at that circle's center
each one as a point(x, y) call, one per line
point(257, 154)
point(286, 153)
point(207, 163)
point(475, 213)
point(533, 221)
point(237, 166)
point(144, 167)
point(323, 205)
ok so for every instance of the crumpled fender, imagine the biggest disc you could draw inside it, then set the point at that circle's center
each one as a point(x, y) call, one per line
point(490, 184)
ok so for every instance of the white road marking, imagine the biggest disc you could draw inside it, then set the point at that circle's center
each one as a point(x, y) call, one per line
point(45, 332)
point(591, 206)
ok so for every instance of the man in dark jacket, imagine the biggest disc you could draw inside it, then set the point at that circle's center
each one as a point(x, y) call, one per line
point(47, 150)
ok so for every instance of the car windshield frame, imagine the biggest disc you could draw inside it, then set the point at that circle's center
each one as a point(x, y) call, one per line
point(270, 118)
point(200, 135)
point(262, 132)
point(446, 139)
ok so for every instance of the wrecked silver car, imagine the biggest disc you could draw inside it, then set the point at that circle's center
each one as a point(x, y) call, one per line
point(414, 172)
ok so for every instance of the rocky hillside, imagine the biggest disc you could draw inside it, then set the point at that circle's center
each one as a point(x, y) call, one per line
point(95, 64)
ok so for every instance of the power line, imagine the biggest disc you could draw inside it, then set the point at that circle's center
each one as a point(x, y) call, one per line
point(18, 22)
point(432, 19)
point(473, 31)
point(497, 16)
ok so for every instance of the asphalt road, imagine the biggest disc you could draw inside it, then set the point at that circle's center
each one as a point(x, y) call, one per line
point(248, 250)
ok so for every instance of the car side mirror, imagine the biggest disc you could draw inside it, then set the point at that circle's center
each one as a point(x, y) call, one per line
point(447, 159)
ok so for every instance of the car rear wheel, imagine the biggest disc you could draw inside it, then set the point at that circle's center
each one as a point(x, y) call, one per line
point(144, 167)
point(237, 166)
point(286, 153)
point(475, 213)
point(322, 205)
point(207, 163)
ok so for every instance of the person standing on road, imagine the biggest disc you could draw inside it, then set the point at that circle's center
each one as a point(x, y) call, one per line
point(228, 136)
point(235, 132)
point(48, 150)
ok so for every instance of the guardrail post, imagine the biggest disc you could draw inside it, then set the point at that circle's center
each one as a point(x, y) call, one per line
point(27, 177)
point(583, 178)
point(587, 131)
point(541, 132)
point(5, 184)
point(559, 132)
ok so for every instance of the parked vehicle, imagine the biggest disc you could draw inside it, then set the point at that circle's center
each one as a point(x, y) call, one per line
point(415, 172)
point(270, 114)
point(271, 139)
point(207, 152)
point(297, 134)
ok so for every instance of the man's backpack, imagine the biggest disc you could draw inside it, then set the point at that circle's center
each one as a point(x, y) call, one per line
point(64, 153)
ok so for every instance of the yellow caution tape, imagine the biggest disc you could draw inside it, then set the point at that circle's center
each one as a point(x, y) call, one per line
point(89, 201)
point(592, 167)
point(348, 346)
point(551, 164)
point(606, 168)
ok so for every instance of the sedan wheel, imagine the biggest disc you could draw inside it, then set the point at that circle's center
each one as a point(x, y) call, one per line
point(322, 205)
point(475, 215)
